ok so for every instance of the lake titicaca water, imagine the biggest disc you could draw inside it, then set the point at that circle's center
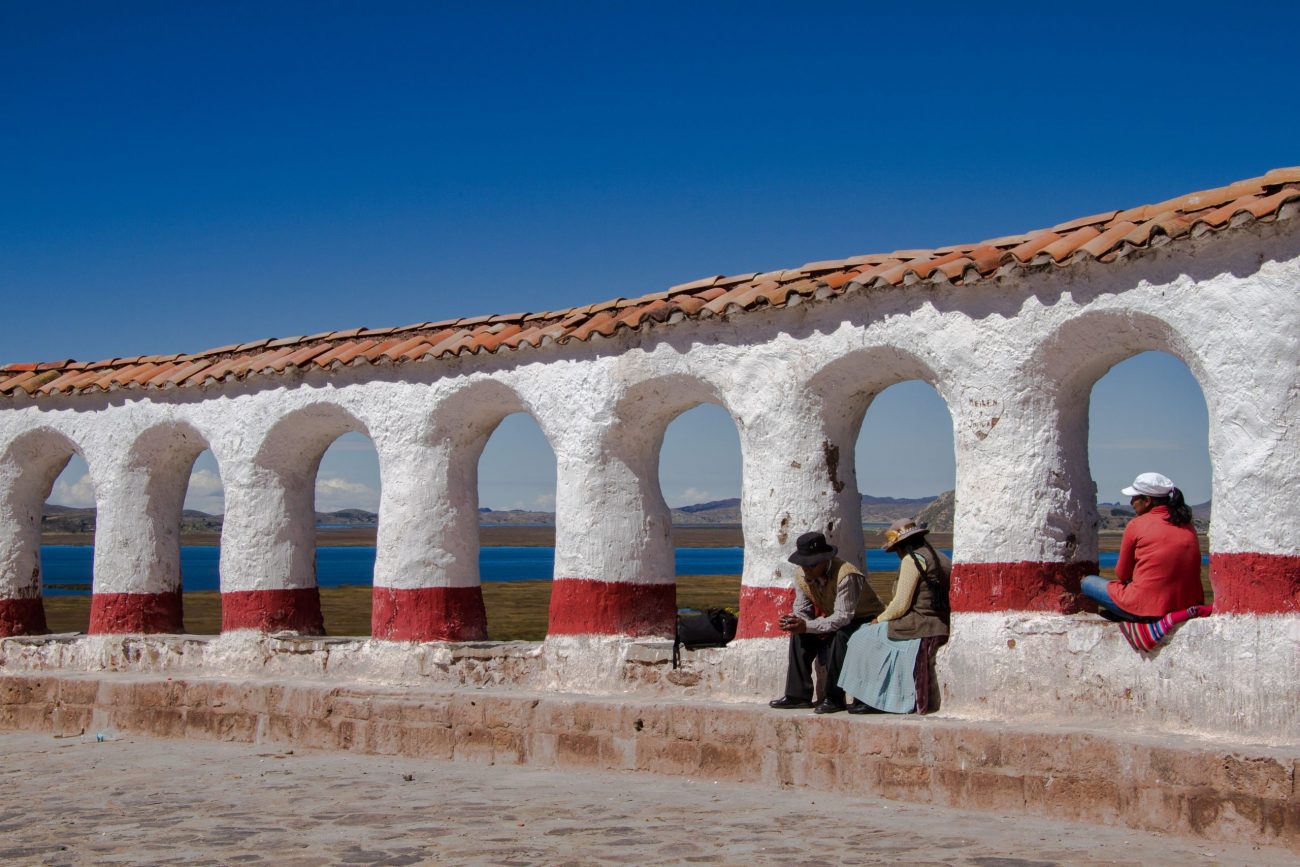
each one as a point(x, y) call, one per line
point(67, 568)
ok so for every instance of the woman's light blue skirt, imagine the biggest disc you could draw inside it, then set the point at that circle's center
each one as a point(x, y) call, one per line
point(879, 671)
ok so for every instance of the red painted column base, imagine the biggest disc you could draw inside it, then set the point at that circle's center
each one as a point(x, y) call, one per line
point(761, 608)
point(112, 613)
point(273, 611)
point(1023, 586)
point(580, 606)
point(22, 617)
point(428, 614)
point(1255, 583)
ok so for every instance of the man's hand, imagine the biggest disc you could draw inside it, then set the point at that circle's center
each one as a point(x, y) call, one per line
point(793, 624)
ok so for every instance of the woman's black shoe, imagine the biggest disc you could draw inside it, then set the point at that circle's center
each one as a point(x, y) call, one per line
point(786, 702)
point(861, 707)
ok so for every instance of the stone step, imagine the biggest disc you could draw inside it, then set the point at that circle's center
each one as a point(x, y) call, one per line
point(1169, 784)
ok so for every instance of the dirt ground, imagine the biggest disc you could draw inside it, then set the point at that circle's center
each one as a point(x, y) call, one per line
point(142, 801)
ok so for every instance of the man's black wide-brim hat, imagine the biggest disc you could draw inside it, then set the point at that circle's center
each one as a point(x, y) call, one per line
point(811, 549)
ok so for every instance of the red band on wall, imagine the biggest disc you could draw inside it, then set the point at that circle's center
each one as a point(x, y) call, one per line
point(135, 612)
point(22, 617)
point(580, 606)
point(761, 608)
point(428, 614)
point(1023, 586)
point(273, 611)
point(1255, 583)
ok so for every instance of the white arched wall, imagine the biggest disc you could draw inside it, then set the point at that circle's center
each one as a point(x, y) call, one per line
point(1230, 300)
point(427, 583)
point(268, 549)
point(629, 586)
point(29, 464)
point(137, 585)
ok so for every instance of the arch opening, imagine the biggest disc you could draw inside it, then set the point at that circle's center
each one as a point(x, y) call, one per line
point(67, 538)
point(515, 488)
point(905, 467)
point(1147, 413)
point(345, 521)
point(699, 482)
point(202, 514)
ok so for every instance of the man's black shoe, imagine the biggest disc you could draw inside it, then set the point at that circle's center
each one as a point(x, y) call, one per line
point(787, 702)
point(828, 706)
point(861, 707)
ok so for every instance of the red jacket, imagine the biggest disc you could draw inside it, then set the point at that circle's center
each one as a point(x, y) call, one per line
point(1159, 568)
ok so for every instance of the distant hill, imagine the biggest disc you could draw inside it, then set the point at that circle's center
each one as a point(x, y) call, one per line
point(875, 510)
point(66, 519)
point(936, 511)
point(1115, 516)
point(516, 517)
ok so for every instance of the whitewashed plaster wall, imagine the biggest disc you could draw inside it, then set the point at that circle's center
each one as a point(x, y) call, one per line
point(1014, 358)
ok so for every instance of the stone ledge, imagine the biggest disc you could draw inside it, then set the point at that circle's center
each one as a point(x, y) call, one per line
point(1212, 789)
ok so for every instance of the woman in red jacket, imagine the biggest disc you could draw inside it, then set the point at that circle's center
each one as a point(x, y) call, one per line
point(1159, 568)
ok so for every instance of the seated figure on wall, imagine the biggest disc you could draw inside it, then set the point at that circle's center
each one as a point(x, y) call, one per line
point(1159, 567)
point(888, 664)
point(831, 597)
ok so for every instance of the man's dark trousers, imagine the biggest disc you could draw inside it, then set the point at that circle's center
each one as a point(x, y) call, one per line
point(829, 649)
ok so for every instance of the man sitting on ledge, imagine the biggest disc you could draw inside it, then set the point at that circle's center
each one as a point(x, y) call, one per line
point(831, 599)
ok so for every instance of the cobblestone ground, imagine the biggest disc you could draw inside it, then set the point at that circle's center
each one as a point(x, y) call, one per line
point(142, 801)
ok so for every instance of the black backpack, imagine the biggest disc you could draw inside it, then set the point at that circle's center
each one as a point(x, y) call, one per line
point(712, 627)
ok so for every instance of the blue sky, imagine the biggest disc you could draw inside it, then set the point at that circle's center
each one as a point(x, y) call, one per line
point(181, 176)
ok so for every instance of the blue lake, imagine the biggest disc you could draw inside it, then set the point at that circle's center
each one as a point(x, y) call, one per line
point(67, 568)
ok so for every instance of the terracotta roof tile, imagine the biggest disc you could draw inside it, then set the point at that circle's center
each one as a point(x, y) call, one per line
point(1026, 251)
point(215, 371)
point(955, 268)
point(689, 305)
point(603, 323)
point(1105, 242)
point(835, 281)
point(220, 350)
point(38, 380)
point(733, 279)
point(1061, 250)
point(307, 353)
point(350, 351)
point(1289, 175)
point(702, 283)
point(280, 360)
point(185, 371)
point(83, 381)
point(1102, 237)
point(15, 380)
point(419, 350)
point(392, 347)
point(444, 341)
point(256, 344)
point(1094, 220)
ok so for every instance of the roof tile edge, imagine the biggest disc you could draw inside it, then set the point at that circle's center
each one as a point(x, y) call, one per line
point(1106, 237)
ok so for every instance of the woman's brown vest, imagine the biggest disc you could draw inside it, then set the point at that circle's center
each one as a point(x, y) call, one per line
point(928, 615)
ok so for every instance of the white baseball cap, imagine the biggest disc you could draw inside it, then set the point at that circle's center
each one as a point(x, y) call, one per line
point(1150, 485)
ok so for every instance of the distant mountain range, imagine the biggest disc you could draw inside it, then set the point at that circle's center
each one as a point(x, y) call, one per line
point(936, 511)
